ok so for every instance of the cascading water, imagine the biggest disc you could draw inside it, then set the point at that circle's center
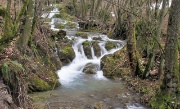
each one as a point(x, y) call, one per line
point(79, 89)
point(69, 74)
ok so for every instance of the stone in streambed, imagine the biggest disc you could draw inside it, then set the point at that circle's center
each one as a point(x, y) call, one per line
point(114, 65)
point(97, 50)
point(87, 49)
point(66, 54)
point(90, 68)
point(110, 45)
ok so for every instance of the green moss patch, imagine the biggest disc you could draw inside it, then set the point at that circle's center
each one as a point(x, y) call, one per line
point(110, 45)
point(59, 25)
point(82, 34)
point(37, 84)
point(114, 65)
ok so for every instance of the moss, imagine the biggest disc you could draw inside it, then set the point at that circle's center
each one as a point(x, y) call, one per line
point(71, 25)
point(87, 49)
point(97, 38)
point(64, 14)
point(82, 34)
point(67, 50)
point(86, 43)
point(162, 100)
point(47, 20)
point(37, 84)
point(60, 25)
point(97, 49)
point(110, 45)
point(57, 16)
point(66, 54)
point(113, 66)
point(54, 81)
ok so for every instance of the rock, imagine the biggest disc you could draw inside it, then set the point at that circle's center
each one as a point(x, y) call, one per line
point(87, 49)
point(60, 35)
point(113, 65)
point(110, 45)
point(97, 38)
point(90, 68)
point(6, 101)
point(66, 54)
point(37, 84)
point(82, 34)
point(97, 50)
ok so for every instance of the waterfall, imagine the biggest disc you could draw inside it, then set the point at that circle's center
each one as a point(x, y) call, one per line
point(70, 73)
point(73, 80)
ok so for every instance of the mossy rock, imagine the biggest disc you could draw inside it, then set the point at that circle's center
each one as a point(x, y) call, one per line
point(97, 50)
point(71, 25)
point(113, 65)
point(66, 54)
point(90, 68)
point(87, 49)
point(59, 25)
point(57, 16)
point(59, 35)
point(82, 34)
point(110, 45)
point(97, 38)
point(53, 80)
point(37, 84)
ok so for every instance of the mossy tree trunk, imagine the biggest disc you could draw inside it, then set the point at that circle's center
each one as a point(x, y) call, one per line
point(172, 75)
point(27, 31)
point(92, 9)
point(8, 34)
point(131, 41)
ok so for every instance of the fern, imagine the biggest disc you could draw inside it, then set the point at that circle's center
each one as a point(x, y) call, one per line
point(6, 72)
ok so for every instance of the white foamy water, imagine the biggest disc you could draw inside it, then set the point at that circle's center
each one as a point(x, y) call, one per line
point(69, 74)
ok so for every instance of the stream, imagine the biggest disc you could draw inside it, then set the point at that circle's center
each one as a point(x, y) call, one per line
point(88, 91)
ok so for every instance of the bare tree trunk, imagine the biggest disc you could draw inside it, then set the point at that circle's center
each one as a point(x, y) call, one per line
point(172, 75)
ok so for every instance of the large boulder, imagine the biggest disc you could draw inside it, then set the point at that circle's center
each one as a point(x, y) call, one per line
point(66, 54)
point(113, 65)
point(90, 68)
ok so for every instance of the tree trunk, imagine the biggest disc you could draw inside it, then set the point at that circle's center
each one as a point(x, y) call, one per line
point(157, 36)
point(172, 75)
point(8, 34)
point(24, 38)
point(131, 42)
